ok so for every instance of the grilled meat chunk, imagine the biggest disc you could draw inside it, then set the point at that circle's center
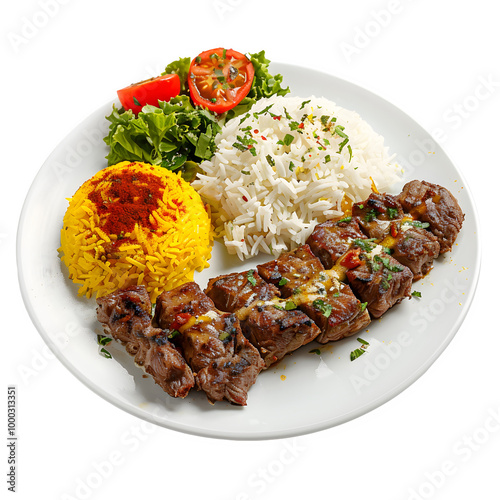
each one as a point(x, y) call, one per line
point(126, 316)
point(302, 280)
point(272, 329)
point(381, 282)
point(416, 249)
point(435, 205)
point(232, 292)
point(293, 272)
point(376, 213)
point(338, 314)
point(226, 365)
point(332, 239)
point(276, 332)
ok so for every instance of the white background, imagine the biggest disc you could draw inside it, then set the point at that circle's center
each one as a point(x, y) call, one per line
point(437, 61)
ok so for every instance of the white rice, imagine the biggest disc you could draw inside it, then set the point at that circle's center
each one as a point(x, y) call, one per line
point(270, 201)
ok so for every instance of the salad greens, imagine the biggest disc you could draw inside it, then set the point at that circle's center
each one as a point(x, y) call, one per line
point(178, 135)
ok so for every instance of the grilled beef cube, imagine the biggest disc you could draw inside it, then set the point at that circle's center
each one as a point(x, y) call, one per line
point(381, 282)
point(226, 365)
point(272, 329)
point(234, 291)
point(332, 239)
point(416, 249)
point(276, 331)
point(126, 316)
point(338, 314)
point(293, 271)
point(376, 213)
point(435, 205)
point(329, 303)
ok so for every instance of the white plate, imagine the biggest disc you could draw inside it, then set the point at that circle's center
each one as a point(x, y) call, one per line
point(306, 392)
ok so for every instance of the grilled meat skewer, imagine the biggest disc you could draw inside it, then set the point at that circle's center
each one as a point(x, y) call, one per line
point(225, 363)
point(265, 321)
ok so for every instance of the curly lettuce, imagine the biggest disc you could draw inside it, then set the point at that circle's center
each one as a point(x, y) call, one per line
point(178, 135)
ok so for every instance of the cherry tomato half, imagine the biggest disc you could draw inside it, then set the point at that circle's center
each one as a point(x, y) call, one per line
point(160, 88)
point(219, 79)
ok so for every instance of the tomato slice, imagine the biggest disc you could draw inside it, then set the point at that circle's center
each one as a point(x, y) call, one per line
point(219, 79)
point(160, 88)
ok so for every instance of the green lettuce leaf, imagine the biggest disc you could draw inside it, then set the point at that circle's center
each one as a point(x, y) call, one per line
point(181, 67)
point(174, 135)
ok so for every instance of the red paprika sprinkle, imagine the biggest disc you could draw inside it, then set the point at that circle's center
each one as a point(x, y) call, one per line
point(126, 198)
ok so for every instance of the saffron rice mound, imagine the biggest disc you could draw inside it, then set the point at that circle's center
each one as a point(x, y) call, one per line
point(135, 224)
point(286, 165)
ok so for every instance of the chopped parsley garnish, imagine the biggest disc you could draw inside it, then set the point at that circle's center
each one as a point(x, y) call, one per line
point(103, 340)
point(245, 172)
point(291, 166)
point(417, 223)
point(315, 351)
point(416, 294)
point(392, 212)
point(360, 351)
point(250, 277)
point(328, 158)
point(323, 307)
point(288, 139)
point(136, 102)
point(304, 103)
point(290, 305)
point(366, 244)
point(270, 160)
point(105, 353)
point(357, 353)
point(265, 110)
point(282, 281)
point(224, 335)
point(371, 215)
point(173, 333)
point(345, 219)
point(363, 306)
point(387, 265)
point(246, 142)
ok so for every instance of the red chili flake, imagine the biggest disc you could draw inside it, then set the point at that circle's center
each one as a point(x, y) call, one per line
point(301, 125)
point(277, 117)
point(137, 195)
point(250, 146)
point(263, 138)
point(256, 131)
point(245, 199)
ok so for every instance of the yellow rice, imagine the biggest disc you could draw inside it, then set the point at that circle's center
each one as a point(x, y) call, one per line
point(160, 260)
